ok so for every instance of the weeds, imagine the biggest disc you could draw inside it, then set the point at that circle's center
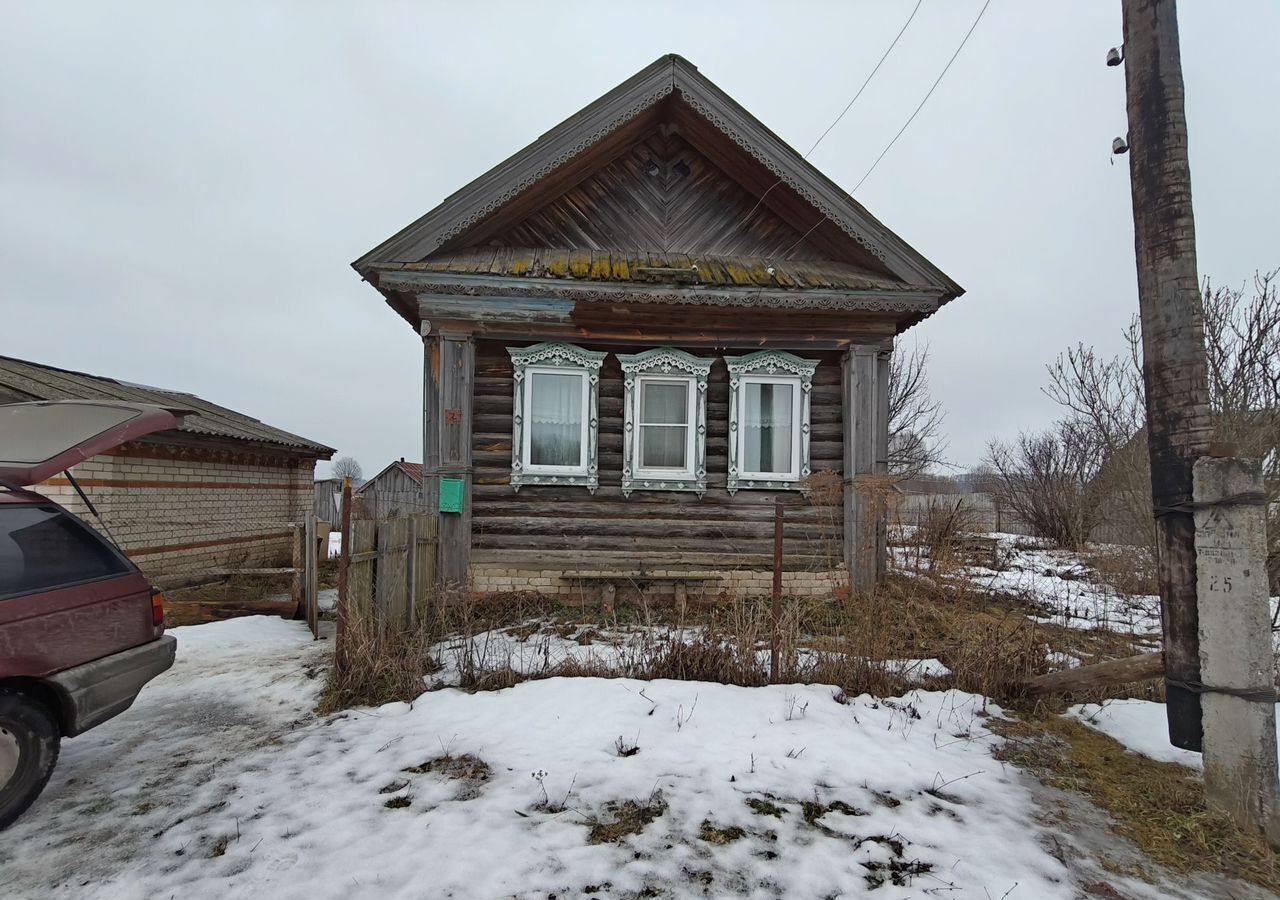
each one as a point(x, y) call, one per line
point(625, 819)
point(1159, 806)
point(375, 666)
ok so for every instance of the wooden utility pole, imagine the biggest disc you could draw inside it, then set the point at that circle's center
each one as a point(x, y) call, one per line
point(1173, 367)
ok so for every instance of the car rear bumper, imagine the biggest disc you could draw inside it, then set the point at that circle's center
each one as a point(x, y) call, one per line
point(96, 691)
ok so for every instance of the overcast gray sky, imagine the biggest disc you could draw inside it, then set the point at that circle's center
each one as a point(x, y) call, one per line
point(183, 185)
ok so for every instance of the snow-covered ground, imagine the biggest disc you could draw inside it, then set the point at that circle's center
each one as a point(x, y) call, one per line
point(220, 783)
point(1059, 582)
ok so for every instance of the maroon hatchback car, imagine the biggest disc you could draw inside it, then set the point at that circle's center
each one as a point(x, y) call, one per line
point(81, 629)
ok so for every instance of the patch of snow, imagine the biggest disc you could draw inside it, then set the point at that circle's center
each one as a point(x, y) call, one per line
point(1057, 581)
point(327, 599)
point(220, 783)
point(918, 669)
point(1141, 725)
point(335, 544)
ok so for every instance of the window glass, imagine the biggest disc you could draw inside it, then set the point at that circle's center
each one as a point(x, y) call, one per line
point(768, 418)
point(42, 547)
point(664, 424)
point(555, 419)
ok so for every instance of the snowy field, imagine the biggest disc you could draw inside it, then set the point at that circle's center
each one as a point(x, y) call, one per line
point(220, 783)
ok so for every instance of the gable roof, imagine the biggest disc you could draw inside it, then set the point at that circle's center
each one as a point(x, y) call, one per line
point(412, 469)
point(21, 381)
point(557, 161)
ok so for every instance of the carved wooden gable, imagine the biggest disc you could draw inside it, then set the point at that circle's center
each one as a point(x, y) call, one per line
point(661, 195)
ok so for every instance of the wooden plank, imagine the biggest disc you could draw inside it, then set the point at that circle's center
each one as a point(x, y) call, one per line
point(363, 560)
point(426, 548)
point(1104, 674)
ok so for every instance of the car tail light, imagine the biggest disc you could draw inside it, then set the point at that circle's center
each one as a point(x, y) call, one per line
point(157, 609)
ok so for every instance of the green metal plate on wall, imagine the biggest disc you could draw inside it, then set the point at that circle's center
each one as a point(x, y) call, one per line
point(451, 495)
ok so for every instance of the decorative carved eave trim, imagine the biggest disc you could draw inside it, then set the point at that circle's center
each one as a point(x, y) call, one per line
point(771, 362)
point(665, 361)
point(556, 353)
point(669, 74)
point(912, 300)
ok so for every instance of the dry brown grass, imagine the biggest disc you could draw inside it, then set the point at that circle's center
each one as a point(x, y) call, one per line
point(1128, 570)
point(1159, 806)
point(373, 666)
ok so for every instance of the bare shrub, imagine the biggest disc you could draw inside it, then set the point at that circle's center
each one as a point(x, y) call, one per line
point(1049, 480)
point(946, 520)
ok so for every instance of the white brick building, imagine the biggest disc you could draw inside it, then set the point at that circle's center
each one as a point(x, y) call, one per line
point(221, 492)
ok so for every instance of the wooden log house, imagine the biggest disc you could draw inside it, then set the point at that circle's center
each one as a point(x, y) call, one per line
point(640, 331)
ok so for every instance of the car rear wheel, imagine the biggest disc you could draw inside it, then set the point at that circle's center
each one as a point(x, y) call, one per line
point(29, 741)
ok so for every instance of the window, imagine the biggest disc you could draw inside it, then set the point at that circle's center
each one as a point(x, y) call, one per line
point(664, 445)
point(554, 415)
point(42, 548)
point(769, 420)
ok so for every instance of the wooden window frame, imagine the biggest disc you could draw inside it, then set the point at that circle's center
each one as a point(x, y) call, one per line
point(769, 367)
point(688, 473)
point(665, 364)
point(555, 359)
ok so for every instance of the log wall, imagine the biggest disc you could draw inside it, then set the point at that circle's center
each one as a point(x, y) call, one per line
point(566, 527)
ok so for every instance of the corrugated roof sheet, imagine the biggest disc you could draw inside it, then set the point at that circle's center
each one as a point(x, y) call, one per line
point(33, 381)
point(642, 267)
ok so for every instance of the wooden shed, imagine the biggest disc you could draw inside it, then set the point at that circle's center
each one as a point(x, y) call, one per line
point(639, 332)
point(395, 491)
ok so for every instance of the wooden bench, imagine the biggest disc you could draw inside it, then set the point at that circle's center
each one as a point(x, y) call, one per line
point(609, 582)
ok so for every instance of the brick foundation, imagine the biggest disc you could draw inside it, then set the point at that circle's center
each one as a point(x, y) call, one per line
point(495, 579)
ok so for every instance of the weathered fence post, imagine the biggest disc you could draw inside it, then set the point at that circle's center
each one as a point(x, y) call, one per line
point(776, 610)
point(298, 591)
point(344, 569)
point(1237, 681)
point(311, 574)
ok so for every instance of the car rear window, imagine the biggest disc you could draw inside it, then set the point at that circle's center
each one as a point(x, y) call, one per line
point(41, 547)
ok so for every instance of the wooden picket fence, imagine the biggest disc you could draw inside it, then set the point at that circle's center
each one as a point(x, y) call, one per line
point(393, 568)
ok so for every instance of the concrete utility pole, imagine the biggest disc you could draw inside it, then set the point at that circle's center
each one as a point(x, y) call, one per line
point(1210, 512)
point(1173, 367)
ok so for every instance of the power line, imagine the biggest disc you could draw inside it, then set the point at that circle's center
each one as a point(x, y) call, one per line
point(926, 96)
point(848, 106)
point(910, 119)
point(901, 32)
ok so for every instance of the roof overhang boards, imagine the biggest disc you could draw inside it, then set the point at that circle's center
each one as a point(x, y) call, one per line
point(516, 300)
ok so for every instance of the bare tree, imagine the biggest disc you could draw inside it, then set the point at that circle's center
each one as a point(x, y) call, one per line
point(1048, 479)
point(347, 467)
point(1105, 398)
point(915, 418)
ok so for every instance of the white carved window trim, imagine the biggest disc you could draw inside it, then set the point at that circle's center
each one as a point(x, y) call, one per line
point(659, 365)
point(555, 359)
point(769, 367)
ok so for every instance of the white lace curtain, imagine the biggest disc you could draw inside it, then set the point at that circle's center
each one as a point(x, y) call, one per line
point(555, 419)
point(767, 418)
